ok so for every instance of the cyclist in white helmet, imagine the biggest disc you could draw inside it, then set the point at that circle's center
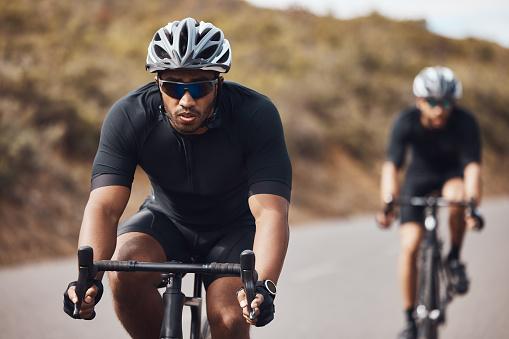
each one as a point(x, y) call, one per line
point(221, 178)
point(444, 142)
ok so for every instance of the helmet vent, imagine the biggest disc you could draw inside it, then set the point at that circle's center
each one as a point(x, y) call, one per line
point(200, 36)
point(224, 57)
point(216, 37)
point(169, 36)
point(157, 37)
point(183, 41)
point(161, 53)
point(207, 52)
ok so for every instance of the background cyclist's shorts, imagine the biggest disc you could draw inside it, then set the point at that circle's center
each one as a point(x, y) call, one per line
point(184, 244)
point(419, 186)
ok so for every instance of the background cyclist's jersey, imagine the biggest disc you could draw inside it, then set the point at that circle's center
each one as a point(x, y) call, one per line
point(197, 180)
point(435, 152)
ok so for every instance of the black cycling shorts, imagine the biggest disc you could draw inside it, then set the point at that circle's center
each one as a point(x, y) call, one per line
point(420, 186)
point(189, 246)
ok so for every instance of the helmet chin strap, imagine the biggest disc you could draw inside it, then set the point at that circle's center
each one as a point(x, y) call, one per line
point(213, 120)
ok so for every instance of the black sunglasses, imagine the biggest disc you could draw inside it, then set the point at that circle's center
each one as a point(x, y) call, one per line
point(196, 89)
point(445, 103)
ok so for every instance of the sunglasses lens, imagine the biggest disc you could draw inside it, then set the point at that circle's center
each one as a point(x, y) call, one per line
point(432, 102)
point(177, 90)
point(445, 103)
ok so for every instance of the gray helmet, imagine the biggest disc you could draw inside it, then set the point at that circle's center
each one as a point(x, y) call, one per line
point(437, 82)
point(187, 44)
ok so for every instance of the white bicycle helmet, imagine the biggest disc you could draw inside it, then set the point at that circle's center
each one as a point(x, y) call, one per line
point(437, 82)
point(187, 44)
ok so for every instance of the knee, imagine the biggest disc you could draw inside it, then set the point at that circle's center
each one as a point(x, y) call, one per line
point(140, 247)
point(126, 283)
point(228, 319)
point(454, 190)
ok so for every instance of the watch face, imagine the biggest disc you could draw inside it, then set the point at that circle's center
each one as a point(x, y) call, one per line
point(270, 286)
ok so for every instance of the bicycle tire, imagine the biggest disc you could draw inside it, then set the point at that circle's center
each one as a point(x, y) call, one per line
point(428, 290)
point(205, 329)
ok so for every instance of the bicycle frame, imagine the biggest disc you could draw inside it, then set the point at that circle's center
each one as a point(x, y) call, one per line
point(173, 298)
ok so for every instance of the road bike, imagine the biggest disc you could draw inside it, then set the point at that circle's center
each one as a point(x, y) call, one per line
point(435, 290)
point(173, 298)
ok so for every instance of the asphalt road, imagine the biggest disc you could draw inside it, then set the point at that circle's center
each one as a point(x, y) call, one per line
point(339, 281)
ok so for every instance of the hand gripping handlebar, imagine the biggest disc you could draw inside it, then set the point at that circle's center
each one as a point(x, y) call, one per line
point(249, 278)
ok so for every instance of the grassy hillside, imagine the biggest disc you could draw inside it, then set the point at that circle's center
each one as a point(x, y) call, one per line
point(337, 83)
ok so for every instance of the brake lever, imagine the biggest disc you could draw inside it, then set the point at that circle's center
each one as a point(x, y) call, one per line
point(249, 277)
point(85, 275)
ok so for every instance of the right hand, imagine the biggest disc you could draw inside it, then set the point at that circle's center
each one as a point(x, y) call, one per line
point(384, 220)
point(92, 297)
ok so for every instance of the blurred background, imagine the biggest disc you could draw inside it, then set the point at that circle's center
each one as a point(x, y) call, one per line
point(337, 78)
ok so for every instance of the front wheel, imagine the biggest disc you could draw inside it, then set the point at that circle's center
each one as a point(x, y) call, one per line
point(428, 311)
point(205, 330)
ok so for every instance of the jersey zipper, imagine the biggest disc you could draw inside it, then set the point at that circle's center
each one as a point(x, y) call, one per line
point(189, 167)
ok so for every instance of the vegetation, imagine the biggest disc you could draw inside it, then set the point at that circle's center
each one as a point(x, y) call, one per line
point(337, 83)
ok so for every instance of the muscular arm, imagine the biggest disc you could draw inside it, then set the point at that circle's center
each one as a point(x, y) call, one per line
point(272, 234)
point(102, 212)
point(472, 179)
point(389, 186)
point(99, 230)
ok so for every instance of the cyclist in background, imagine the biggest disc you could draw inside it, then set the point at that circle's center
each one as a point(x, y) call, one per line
point(444, 143)
point(216, 157)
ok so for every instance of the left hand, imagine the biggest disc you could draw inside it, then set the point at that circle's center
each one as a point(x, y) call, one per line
point(263, 307)
point(471, 222)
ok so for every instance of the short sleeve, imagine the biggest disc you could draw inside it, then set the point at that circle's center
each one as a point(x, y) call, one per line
point(116, 158)
point(471, 143)
point(396, 149)
point(268, 164)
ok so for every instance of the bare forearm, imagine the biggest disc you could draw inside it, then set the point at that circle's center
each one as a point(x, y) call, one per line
point(272, 234)
point(473, 183)
point(270, 246)
point(98, 230)
point(389, 181)
point(100, 219)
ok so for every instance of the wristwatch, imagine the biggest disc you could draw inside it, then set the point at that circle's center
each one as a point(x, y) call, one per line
point(269, 286)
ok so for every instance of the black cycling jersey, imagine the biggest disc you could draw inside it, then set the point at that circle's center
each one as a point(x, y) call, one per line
point(435, 151)
point(197, 180)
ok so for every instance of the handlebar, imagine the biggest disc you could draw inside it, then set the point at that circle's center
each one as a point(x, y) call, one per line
point(433, 201)
point(89, 268)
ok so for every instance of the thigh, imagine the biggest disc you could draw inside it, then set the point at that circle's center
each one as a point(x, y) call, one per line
point(133, 235)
